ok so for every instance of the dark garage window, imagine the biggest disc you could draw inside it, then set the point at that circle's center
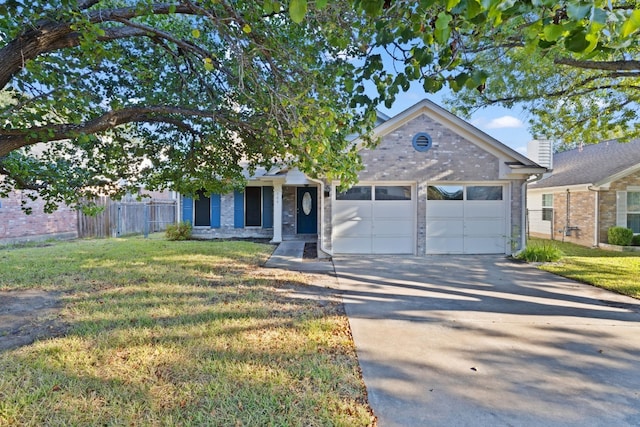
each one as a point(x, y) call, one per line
point(359, 192)
point(484, 192)
point(445, 192)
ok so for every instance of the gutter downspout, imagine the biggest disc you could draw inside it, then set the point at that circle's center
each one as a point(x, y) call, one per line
point(523, 219)
point(321, 197)
point(596, 222)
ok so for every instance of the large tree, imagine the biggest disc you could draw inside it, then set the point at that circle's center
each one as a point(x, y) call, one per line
point(575, 65)
point(105, 95)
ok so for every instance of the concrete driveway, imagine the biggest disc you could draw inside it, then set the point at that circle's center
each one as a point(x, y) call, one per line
point(485, 341)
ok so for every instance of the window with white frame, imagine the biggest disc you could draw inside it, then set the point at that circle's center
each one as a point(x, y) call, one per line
point(547, 207)
point(633, 211)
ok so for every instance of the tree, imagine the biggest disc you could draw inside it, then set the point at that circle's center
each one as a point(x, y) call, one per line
point(105, 95)
point(573, 64)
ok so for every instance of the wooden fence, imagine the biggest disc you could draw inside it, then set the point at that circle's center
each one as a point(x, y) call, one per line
point(120, 218)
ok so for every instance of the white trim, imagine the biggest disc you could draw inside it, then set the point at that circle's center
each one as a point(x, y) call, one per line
point(616, 176)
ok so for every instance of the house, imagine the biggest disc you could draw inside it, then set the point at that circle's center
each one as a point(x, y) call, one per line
point(433, 185)
point(592, 188)
point(17, 226)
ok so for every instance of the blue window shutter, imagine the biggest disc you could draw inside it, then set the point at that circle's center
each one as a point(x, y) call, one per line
point(187, 209)
point(215, 211)
point(238, 209)
point(267, 207)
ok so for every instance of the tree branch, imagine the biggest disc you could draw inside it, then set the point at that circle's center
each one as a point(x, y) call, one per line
point(12, 139)
point(599, 65)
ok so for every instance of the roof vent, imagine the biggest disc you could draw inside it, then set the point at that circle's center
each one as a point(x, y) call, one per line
point(422, 142)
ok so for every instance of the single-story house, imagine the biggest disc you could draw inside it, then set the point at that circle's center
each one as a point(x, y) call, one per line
point(592, 188)
point(434, 184)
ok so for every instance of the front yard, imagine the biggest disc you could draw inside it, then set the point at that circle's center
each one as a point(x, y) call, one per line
point(177, 333)
point(616, 271)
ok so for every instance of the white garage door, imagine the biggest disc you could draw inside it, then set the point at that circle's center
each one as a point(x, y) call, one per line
point(374, 219)
point(467, 219)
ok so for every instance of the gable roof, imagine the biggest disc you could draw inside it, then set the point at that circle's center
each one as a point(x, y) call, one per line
point(593, 164)
point(518, 163)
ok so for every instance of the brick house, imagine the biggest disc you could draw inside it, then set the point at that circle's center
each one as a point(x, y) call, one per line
point(17, 226)
point(433, 185)
point(591, 189)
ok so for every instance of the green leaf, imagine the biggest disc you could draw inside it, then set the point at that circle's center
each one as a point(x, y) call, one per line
point(452, 3)
point(578, 11)
point(195, 33)
point(577, 41)
point(443, 31)
point(632, 24)
point(297, 10)
point(321, 4)
point(372, 7)
point(553, 32)
point(246, 28)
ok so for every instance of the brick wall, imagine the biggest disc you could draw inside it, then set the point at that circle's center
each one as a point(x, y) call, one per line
point(608, 203)
point(17, 226)
point(581, 205)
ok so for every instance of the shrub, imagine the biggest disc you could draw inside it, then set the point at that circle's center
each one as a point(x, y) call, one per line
point(620, 236)
point(636, 240)
point(540, 253)
point(180, 231)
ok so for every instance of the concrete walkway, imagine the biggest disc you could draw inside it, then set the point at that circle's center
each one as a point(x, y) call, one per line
point(484, 341)
point(289, 256)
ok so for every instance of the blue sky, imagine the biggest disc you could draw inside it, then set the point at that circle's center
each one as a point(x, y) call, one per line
point(508, 126)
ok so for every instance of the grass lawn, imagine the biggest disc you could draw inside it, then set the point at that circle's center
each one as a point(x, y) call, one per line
point(177, 333)
point(616, 271)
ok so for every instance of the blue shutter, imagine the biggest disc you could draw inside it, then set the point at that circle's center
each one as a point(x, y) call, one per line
point(215, 211)
point(238, 209)
point(187, 209)
point(267, 207)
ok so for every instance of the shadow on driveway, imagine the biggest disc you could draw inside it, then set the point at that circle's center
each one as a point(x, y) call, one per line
point(483, 340)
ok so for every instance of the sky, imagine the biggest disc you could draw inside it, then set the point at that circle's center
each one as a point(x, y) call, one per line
point(508, 126)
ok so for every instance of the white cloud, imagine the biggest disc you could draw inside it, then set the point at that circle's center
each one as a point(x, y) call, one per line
point(505, 122)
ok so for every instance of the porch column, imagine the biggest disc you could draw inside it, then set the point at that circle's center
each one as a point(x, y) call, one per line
point(277, 212)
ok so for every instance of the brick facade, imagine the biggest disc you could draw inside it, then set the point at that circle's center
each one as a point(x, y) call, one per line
point(16, 226)
point(450, 159)
point(608, 202)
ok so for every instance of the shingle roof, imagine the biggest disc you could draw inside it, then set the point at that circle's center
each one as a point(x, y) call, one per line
point(592, 163)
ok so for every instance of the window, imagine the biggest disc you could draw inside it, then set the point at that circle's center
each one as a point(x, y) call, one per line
point(393, 192)
point(202, 210)
point(445, 192)
point(358, 192)
point(633, 211)
point(253, 207)
point(484, 192)
point(547, 207)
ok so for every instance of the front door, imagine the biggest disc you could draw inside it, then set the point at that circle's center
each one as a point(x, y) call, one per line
point(307, 211)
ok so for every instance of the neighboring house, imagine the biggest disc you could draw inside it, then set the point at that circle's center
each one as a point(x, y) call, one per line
point(17, 226)
point(434, 185)
point(591, 189)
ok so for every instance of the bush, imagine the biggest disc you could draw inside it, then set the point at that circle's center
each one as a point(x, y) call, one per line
point(636, 240)
point(180, 231)
point(540, 253)
point(620, 236)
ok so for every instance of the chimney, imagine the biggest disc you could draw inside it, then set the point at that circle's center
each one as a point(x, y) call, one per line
point(541, 152)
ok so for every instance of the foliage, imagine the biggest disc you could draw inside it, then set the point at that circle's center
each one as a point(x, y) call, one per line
point(636, 240)
point(102, 96)
point(621, 236)
point(540, 253)
point(572, 64)
point(192, 334)
point(180, 231)
point(615, 271)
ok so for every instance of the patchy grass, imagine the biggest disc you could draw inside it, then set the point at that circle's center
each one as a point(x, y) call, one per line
point(616, 271)
point(178, 333)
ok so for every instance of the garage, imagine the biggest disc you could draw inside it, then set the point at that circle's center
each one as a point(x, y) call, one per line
point(377, 218)
point(466, 219)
